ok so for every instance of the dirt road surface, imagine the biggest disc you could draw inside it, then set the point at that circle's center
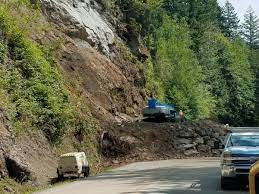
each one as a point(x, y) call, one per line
point(191, 176)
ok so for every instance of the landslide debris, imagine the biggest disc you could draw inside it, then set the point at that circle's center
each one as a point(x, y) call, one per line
point(158, 141)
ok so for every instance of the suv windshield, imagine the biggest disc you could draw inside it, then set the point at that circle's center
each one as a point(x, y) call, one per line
point(243, 140)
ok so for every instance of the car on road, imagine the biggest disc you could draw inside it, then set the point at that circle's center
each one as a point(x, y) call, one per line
point(240, 153)
point(73, 164)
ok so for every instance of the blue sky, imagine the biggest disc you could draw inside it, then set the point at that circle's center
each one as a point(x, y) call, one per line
point(242, 6)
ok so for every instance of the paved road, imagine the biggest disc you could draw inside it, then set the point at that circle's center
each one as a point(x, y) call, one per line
point(194, 176)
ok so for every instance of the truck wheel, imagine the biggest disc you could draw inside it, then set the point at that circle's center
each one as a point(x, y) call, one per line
point(86, 174)
point(60, 176)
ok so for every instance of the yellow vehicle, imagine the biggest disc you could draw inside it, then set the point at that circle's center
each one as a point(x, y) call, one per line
point(254, 179)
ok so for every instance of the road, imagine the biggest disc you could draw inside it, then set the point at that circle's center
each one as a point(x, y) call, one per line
point(192, 176)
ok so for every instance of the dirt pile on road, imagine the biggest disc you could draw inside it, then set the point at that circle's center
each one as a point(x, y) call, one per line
point(155, 141)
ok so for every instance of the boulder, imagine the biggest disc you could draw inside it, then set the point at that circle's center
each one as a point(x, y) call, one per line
point(17, 167)
point(201, 132)
point(216, 152)
point(187, 134)
point(216, 135)
point(191, 152)
point(188, 146)
point(203, 148)
point(199, 140)
point(128, 139)
point(211, 143)
point(184, 141)
point(206, 138)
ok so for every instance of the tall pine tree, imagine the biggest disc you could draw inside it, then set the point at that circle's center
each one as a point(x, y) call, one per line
point(230, 21)
point(251, 28)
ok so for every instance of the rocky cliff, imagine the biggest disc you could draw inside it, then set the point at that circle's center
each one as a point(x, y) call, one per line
point(95, 59)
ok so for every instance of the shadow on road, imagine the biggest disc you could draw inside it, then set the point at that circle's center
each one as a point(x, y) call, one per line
point(57, 180)
point(171, 180)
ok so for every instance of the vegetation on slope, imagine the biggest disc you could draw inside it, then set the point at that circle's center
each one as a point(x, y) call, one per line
point(31, 84)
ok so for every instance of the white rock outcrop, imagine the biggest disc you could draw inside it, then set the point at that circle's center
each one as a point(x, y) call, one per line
point(80, 19)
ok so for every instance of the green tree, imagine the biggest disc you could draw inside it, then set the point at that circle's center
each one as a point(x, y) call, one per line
point(251, 28)
point(197, 13)
point(177, 67)
point(230, 21)
point(229, 77)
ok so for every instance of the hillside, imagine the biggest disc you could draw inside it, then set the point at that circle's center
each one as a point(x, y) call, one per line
point(75, 75)
point(62, 80)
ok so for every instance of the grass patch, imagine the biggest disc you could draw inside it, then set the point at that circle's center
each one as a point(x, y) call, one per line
point(10, 186)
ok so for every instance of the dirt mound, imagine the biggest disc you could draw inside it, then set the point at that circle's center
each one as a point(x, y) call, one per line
point(155, 141)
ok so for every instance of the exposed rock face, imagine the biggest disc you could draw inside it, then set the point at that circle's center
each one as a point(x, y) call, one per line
point(99, 70)
point(80, 19)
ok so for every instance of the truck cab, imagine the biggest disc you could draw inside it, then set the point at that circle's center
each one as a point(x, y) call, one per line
point(159, 111)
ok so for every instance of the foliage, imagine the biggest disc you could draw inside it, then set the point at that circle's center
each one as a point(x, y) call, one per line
point(34, 88)
point(3, 52)
point(154, 86)
point(251, 28)
point(179, 70)
point(230, 21)
point(197, 13)
point(229, 77)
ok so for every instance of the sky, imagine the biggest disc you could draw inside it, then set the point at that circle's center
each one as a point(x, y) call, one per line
point(242, 6)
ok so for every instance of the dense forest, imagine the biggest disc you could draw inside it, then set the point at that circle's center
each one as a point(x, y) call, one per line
point(202, 57)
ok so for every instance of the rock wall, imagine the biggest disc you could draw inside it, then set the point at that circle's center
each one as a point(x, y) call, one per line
point(158, 141)
point(199, 139)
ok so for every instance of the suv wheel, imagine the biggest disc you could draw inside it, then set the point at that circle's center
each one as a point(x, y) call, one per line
point(226, 183)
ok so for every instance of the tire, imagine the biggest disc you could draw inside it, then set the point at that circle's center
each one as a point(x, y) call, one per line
point(87, 173)
point(257, 185)
point(60, 176)
point(227, 183)
point(224, 184)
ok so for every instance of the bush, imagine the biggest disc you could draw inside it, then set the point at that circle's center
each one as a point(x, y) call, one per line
point(34, 86)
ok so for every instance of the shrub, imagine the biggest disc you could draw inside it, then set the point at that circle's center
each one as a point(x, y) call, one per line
point(34, 86)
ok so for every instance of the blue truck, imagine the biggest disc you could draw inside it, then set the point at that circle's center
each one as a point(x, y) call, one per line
point(159, 111)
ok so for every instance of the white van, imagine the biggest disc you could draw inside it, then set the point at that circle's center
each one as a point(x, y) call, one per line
point(72, 164)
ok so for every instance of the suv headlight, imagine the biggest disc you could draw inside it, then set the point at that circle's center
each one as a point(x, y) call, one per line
point(227, 159)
